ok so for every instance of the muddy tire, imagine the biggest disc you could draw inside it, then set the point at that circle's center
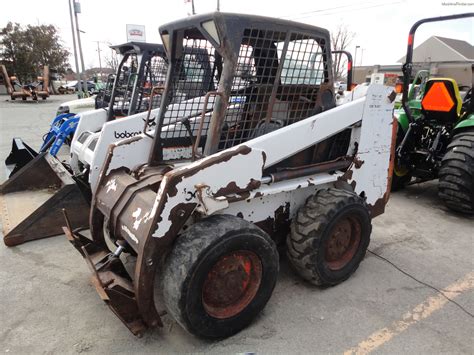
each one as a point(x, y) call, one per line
point(219, 275)
point(329, 237)
point(456, 176)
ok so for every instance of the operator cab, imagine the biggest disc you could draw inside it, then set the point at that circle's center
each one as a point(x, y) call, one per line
point(269, 74)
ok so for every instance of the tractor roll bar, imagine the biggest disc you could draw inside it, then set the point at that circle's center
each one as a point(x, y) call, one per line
point(407, 67)
point(349, 68)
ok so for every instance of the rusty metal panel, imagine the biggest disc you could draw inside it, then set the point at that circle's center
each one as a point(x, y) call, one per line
point(32, 200)
point(112, 282)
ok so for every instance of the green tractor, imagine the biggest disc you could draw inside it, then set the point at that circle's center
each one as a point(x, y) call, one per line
point(436, 133)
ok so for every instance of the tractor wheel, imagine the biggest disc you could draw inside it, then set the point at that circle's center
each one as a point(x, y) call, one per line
point(329, 236)
point(456, 176)
point(219, 275)
point(401, 174)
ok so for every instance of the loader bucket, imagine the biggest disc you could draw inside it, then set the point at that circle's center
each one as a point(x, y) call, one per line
point(20, 155)
point(31, 201)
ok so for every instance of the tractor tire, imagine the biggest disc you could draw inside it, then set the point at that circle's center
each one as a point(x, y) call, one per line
point(456, 176)
point(401, 175)
point(329, 236)
point(400, 179)
point(219, 275)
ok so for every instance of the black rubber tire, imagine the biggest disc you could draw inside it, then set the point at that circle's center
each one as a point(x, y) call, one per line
point(456, 176)
point(194, 254)
point(312, 227)
point(399, 182)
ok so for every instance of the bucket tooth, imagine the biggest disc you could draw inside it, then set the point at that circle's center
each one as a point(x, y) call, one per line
point(31, 201)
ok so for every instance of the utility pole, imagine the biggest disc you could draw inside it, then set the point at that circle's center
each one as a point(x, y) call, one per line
point(192, 4)
point(77, 10)
point(218, 5)
point(355, 62)
point(78, 73)
point(100, 62)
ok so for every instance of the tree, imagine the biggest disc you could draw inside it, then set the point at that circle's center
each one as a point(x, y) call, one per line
point(341, 39)
point(28, 49)
point(112, 60)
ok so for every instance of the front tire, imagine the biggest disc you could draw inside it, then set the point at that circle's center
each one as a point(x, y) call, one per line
point(329, 236)
point(456, 176)
point(219, 275)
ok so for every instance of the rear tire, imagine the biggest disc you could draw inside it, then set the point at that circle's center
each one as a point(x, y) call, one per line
point(219, 275)
point(329, 236)
point(456, 176)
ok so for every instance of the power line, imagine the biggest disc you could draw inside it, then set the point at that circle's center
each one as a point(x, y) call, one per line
point(327, 9)
point(423, 283)
point(331, 12)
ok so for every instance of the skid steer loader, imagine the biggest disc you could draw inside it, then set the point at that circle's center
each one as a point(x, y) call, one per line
point(202, 199)
point(96, 130)
point(32, 198)
point(118, 93)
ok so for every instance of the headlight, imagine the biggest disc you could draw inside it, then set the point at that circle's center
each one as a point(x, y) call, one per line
point(62, 109)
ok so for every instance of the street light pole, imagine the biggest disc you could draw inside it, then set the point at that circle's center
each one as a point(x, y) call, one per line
point(355, 62)
point(100, 62)
point(77, 9)
point(78, 73)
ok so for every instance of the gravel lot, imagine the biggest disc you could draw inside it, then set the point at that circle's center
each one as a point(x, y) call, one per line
point(48, 305)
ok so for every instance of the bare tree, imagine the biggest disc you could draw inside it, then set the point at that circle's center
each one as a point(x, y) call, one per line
point(341, 39)
point(112, 60)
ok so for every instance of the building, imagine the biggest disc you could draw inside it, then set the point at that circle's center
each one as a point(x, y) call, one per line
point(443, 57)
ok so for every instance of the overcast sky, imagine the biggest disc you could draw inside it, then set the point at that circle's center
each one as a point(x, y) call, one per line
point(380, 26)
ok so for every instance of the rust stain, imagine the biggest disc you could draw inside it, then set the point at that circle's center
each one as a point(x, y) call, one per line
point(357, 162)
point(232, 188)
point(346, 176)
point(392, 157)
point(378, 207)
point(178, 216)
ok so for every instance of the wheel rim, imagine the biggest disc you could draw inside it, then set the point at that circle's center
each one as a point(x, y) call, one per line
point(343, 242)
point(400, 170)
point(231, 284)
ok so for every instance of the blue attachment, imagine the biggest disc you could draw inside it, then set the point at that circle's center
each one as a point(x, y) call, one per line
point(61, 127)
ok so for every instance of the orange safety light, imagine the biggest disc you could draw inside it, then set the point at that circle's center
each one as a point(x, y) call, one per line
point(399, 88)
point(438, 98)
